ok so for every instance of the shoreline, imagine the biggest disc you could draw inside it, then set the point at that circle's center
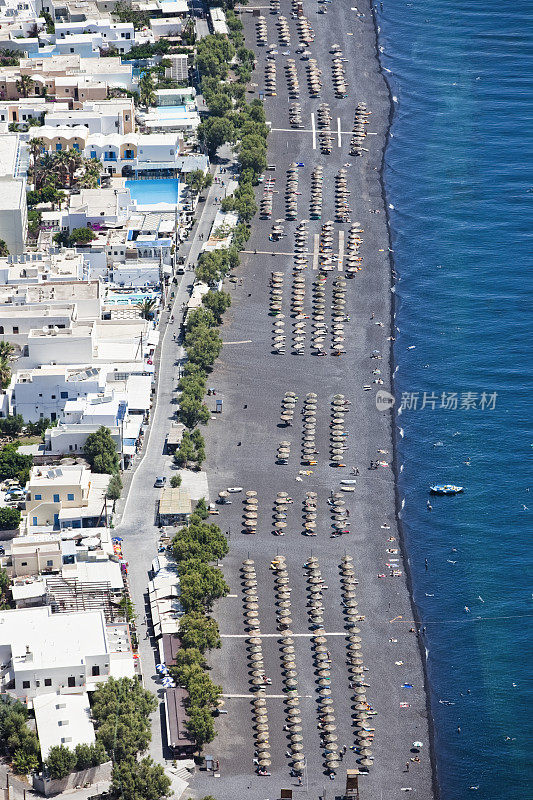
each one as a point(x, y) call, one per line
point(249, 372)
point(394, 418)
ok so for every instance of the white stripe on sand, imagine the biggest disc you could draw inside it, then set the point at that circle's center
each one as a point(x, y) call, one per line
point(339, 132)
point(315, 251)
point(313, 130)
point(341, 249)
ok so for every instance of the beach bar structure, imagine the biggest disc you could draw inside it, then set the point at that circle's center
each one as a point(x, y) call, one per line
point(176, 722)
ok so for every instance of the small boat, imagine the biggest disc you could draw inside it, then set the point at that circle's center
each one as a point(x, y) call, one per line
point(447, 488)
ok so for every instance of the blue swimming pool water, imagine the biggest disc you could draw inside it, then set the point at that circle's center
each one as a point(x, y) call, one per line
point(458, 175)
point(129, 298)
point(171, 112)
point(153, 192)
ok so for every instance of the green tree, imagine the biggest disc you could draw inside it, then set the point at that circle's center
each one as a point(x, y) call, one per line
point(7, 351)
point(175, 481)
point(89, 755)
point(81, 236)
point(146, 308)
point(201, 585)
point(9, 519)
point(214, 132)
point(199, 540)
point(198, 180)
point(4, 250)
point(217, 303)
point(14, 465)
point(12, 425)
point(192, 412)
point(185, 452)
point(199, 632)
point(139, 780)
point(147, 90)
point(114, 488)
point(121, 710)
point(201, 726)
point(100, 451)
point(203, 345)
point(24, 763)
point(60, 762)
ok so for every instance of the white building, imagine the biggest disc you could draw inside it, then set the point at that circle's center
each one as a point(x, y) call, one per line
point(71, 653)
point(13, 214)
point(109, 117)
point(44, 391)
point(63, 719)
point(120, 35)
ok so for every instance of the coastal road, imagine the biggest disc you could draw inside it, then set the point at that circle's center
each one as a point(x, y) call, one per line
point(137, 513)
point(241, 447)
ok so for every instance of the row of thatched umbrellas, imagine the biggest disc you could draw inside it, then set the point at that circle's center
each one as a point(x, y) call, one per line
point(291, 192)
point(265, 206)
point(339, 514)
point(315, 205)
point(281, 505)
point(339, 75)
point(313, 77)
point(326, 247)
point(360, 706)
point(288, 663)
point(261, 30)
point(295, 115)
point(309, 429)
point(338, 315)
point(275, 306)
point(297, 310)
point(287, 407)
point(270, 78)
point(283, 452)
point(305, 31)
point(325, 138)
point(293, 83)
point(249, 512)
point(300, 246)
point(277, 230)
point(353, 242)
point(256, 665)
point(322, 664)
point(274, 6)
point(323, 116)
point(310, 513)
point(284, 34)
point(337, 433)
point(319, 306)
point(342, 210)
point(359, 130)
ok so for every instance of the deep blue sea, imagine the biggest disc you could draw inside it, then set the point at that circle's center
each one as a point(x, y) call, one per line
point(458, 175)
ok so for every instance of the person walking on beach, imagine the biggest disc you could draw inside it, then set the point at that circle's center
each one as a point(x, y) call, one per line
point(406, 766)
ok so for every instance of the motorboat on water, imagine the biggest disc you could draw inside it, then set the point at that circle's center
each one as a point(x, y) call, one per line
point(446, 488)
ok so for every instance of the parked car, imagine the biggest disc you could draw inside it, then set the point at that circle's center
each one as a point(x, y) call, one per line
point(160, 481)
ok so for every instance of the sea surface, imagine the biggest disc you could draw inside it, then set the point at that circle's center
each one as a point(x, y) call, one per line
point(459, 179)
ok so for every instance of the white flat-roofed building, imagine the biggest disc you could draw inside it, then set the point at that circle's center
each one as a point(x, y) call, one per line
point(99, 208)
point(218, 21)
point(113, 34)
point(63, 719)
point(44, 391)
point(13, 214)
point(37, 268)
point(70, 653)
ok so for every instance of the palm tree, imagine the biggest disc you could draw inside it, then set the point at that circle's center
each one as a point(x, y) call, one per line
point(73, 161)
point(36, 146)
point(4, 251)
point(146, 90)
point(91, 177)
point(6, 354)
point(24, 85)
point(146, 308)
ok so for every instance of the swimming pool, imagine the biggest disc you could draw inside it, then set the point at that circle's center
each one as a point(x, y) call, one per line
point(171, 112)
point(129, 298)
point(154, 192)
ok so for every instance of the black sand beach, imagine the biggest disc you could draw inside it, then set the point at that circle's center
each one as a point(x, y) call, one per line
point(242, 444)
